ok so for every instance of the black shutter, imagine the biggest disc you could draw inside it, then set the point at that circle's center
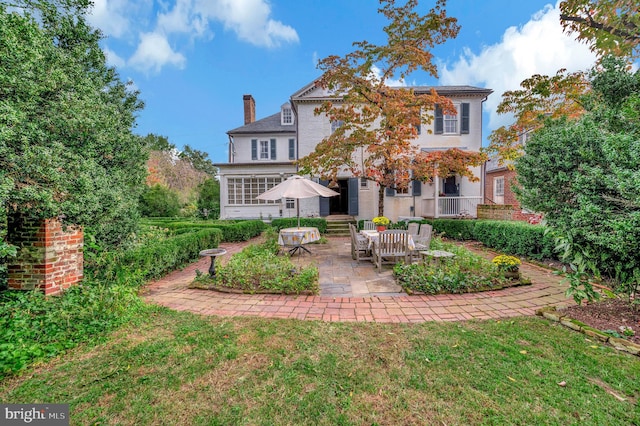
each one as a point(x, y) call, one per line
point(354, 185)
point(389, 192)
point(292, 149)
point(417, 187)
point(325, 207)
point(273, 149)
point(439, 123)
point(254, 149)
point(464, 128)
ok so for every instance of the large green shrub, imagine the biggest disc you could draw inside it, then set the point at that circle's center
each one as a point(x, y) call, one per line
point(584, 175)
point(66, 144)
point(160, 201)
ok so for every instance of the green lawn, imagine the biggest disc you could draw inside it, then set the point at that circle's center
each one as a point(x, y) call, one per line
point(179, 368)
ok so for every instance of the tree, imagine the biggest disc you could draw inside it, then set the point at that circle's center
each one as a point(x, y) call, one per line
point(66, 146)
point(608, 26)
point(584, 175)
point(379, 119)
point(159, 201)
point(209, 198)
point(199, 160)
point(539, 98)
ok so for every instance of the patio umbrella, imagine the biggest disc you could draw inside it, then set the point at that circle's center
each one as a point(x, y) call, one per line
point(297, 187)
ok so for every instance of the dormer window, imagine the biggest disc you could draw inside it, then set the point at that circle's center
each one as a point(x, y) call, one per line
point(286, 115)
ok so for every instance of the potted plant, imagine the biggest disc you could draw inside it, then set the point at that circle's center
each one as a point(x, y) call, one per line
point(509, 265)
point(381, 222)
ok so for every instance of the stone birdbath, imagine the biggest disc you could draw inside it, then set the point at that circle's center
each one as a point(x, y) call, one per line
point(213, 253)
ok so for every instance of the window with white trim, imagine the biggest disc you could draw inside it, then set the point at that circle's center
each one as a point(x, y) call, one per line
point(243, 191)
point(498, 190)
point(290, 203)
point(287, 116)
point(364, 183)
point(450, 123)
point(264, 150)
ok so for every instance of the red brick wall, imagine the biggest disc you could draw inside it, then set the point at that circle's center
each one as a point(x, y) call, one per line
point(509, 196)
point(49, 257)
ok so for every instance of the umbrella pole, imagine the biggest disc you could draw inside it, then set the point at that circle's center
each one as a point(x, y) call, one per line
point(298, 209)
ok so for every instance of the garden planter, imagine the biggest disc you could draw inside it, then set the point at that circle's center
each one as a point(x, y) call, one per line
point(512, 275)
point(381, 228)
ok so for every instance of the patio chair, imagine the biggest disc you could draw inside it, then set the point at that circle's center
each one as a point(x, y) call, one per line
point(369, 225)
point(359, 245)
point(390, 247)
point(422, 240)
point(412, 228)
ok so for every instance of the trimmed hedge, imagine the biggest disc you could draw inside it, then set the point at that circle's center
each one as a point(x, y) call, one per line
point(291, 222)
point(510, 237)
point(516, 238)
point(231, 230)
point(136, 266)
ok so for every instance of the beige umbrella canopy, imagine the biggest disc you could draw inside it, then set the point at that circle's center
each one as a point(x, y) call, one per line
point(297, 187)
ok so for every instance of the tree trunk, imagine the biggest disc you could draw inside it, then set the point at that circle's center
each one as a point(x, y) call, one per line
point(381, 200)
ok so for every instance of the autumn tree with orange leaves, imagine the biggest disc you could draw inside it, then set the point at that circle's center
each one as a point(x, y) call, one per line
point(383, 120)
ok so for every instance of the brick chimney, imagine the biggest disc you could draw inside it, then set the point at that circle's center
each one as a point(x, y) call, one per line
point(249, 109)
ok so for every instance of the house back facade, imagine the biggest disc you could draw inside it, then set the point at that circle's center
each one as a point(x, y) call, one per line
point(262, 154)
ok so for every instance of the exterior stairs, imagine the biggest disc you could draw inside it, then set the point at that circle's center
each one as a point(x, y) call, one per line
point(338, 225)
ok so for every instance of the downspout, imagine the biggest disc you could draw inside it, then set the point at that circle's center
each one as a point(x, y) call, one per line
point(483, 172)
point(232, 150)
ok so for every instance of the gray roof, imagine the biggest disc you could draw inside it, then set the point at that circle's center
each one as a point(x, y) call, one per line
point(442, 90)
point(271, 124)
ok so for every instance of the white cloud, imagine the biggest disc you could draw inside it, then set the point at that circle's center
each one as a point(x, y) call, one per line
point(113, 59)
point(249, 19)
point(376, 74)
point(110, 16)
point(154, 52)
point(538, 47)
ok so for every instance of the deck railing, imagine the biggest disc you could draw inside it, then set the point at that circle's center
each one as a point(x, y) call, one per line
point(458, 206)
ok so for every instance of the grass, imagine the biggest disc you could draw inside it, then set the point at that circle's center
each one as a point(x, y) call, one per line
point(180, 368)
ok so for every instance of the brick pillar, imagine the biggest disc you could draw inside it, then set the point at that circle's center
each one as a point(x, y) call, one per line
point(49, 257)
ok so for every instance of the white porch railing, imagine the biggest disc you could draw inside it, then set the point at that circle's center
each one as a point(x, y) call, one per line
point(458, 206)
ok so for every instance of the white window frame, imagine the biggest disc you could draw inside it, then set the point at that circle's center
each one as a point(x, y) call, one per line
point(364, 183)
point(498, 189)
point(287, 116)
point(290, 203)
point(242, 191)
point(263, 153)
point(451, 123)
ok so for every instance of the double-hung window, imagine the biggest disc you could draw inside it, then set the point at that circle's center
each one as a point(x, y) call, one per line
point(264, 150)
point(452, 124)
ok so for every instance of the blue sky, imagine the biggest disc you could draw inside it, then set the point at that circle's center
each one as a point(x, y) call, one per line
point(192, 60)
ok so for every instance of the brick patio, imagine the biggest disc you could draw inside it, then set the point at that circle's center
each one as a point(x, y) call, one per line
point(352, 291)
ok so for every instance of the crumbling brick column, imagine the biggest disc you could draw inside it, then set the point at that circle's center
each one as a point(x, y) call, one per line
point(49, 256)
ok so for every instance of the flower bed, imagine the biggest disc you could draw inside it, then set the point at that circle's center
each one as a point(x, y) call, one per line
point(465, 273)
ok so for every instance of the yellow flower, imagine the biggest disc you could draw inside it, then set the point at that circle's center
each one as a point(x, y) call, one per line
point(506, 263)
point(381, 220)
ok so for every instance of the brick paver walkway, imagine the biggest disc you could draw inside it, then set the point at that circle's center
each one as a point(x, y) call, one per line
point(352, 291)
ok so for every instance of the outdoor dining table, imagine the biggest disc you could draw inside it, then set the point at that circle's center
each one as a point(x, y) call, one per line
point(372, 236)
point(296, 237)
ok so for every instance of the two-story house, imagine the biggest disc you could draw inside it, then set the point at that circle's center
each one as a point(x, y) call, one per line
point(261, 154)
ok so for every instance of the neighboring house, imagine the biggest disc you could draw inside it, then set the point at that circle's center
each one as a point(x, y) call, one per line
point(261, 155)
point(498, 191)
